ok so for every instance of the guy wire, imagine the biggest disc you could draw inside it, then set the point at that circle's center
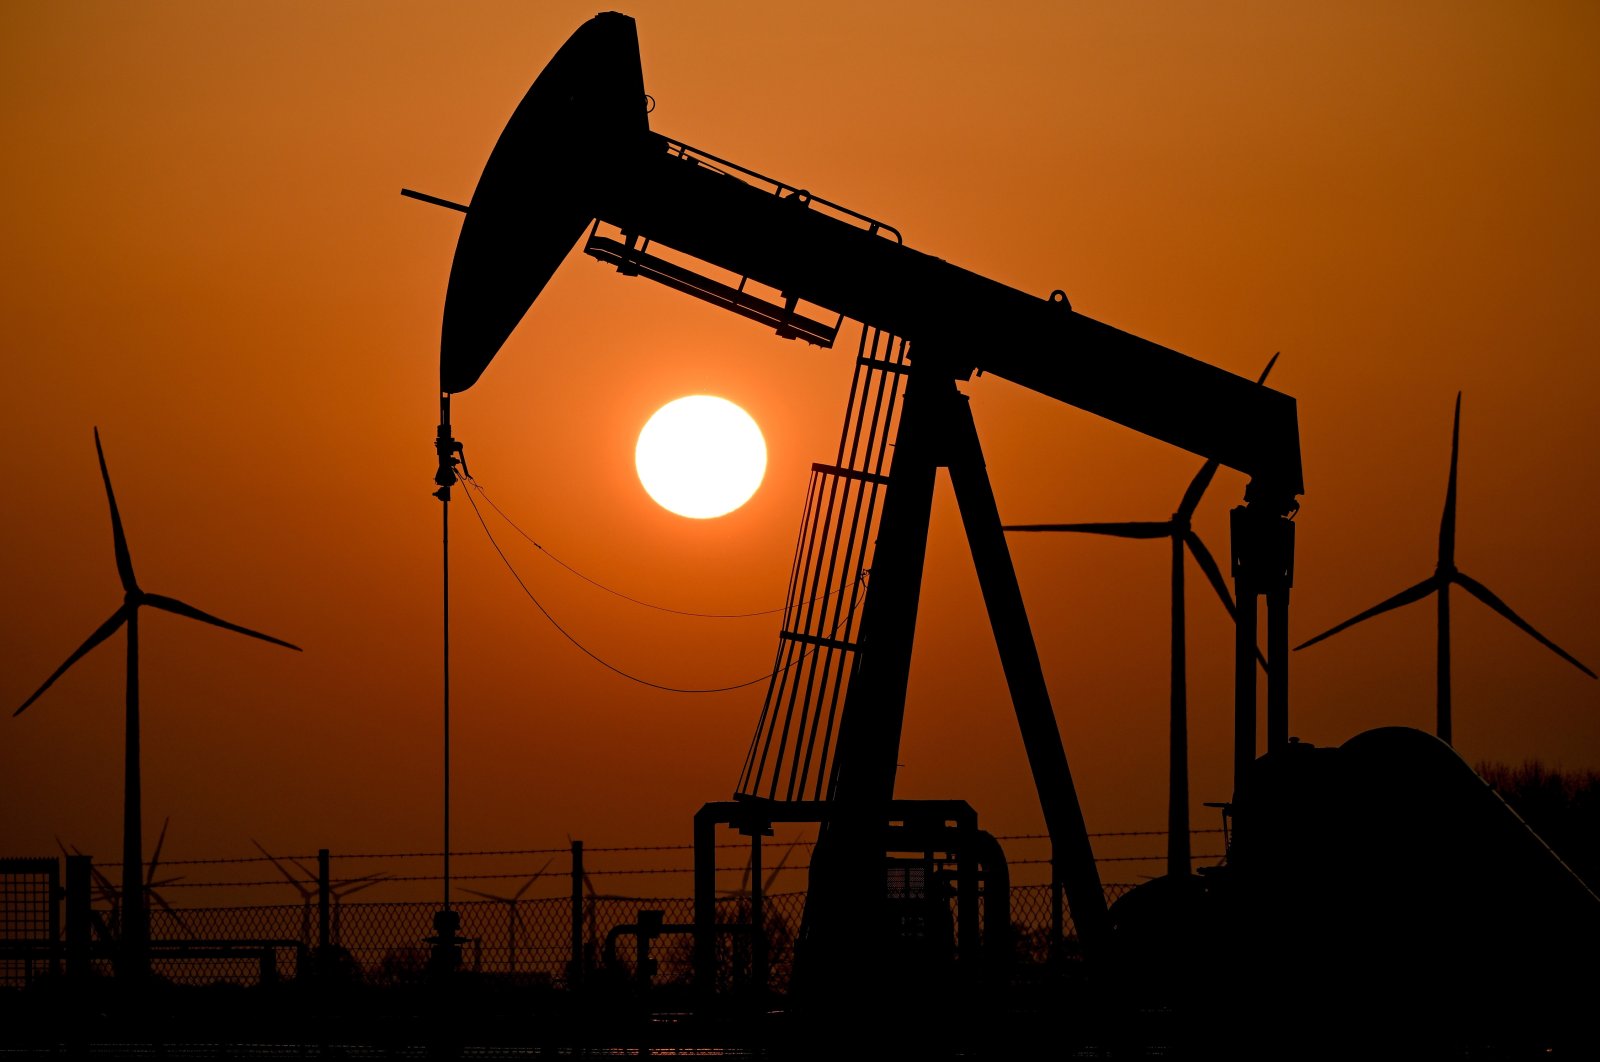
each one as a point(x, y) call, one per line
point(595, 656)
point(618, 593)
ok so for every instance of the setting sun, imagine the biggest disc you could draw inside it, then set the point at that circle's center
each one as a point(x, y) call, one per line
point(701, 456)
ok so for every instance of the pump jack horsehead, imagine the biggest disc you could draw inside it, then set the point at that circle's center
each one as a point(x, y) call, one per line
point(134, 960)
point(588, 108)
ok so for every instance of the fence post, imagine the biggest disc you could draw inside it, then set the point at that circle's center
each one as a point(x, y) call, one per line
point(576, 976)
point(758, 920)
point(705, 899)
point(57, 895)
point(324, 894)
point(78, 916)
point(1057, 923)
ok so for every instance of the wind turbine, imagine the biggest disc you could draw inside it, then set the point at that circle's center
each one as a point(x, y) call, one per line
point(591, 905)
point(514, 914)
point(1181, 534)
point(298, 886)
point(346, 888)
point(151, 884)
point(1439, 582)
point(135, 914)
point(337, 891)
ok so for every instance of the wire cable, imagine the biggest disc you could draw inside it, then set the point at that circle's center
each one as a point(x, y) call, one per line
point(591, 654)
point(627, 597)
point(592, 849)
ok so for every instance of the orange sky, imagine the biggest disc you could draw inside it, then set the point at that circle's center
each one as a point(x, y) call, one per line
point(206, 255)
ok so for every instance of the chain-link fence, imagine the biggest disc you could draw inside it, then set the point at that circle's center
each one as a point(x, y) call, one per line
point(525, 941)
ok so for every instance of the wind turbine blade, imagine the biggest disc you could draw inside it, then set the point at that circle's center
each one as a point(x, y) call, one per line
point(105, 630)
point(525, 885)
point(1268, 370)
point(1207, 472)
point(766, 886)
point(1202, 479)
point(342, 882)
point(485, 895)
point(290, 878)
point(1447, 523)
point(1208, 565)
point(103, 883)
point(1484, 594)
point(379, 880)
point(108, 891)
point(1404, 597)
point(165, 906)
point(1197, 487)
point(1144, 529)
point(173, 605)
point(155, 857)
point(119, 541)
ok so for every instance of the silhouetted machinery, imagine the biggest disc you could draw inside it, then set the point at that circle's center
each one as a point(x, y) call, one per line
point(578, 157)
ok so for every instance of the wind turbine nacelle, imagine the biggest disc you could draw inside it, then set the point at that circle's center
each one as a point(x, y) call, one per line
point(578, 153)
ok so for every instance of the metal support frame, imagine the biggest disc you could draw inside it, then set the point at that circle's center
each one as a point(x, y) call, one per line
point(899, 825)
point(1263, 565)
point(133, 952)
point(324, 906)
point(576, 968)
point(936, 429)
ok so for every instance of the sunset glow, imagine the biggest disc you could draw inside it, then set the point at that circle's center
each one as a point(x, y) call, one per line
point(208, 257)
point(701, 457)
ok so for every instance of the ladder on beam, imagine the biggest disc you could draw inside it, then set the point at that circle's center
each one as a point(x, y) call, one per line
point(790, 757)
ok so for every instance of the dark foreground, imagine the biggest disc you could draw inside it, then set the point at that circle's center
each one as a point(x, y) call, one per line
point(476, 1018)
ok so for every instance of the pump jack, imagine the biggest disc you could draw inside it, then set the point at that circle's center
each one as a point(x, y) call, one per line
point(578, 153)
point(1289, 938)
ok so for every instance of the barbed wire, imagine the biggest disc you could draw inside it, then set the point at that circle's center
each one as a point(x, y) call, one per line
point(623, 872)
point(606, 849)
point(453, 855)
point(440, 877)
